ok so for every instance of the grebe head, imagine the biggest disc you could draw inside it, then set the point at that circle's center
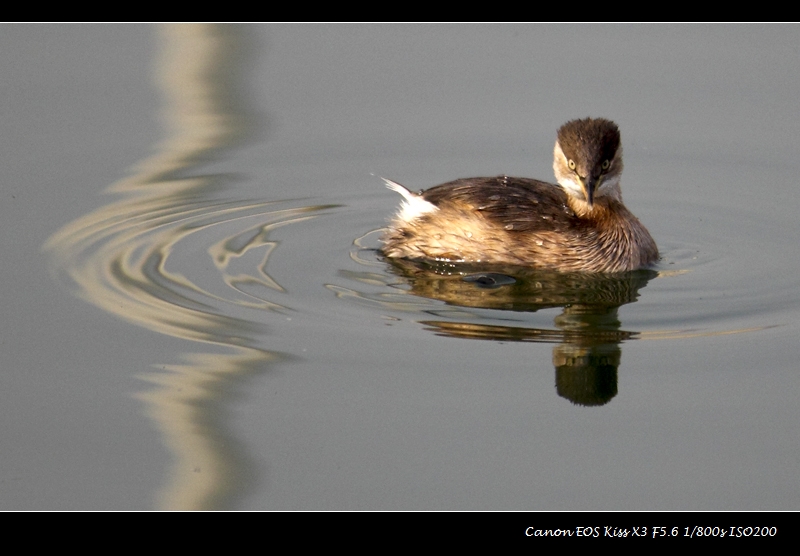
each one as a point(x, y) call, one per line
point(587, 160)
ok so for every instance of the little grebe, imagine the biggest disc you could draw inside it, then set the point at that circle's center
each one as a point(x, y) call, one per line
point(578, 225)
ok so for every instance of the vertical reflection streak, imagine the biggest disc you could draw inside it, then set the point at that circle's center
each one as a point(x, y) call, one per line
point(116, 258)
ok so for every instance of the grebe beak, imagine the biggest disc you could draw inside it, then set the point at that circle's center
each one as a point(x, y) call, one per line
point(589, 184)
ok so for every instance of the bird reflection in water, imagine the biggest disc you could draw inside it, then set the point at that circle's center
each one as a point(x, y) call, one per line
point(587, 334)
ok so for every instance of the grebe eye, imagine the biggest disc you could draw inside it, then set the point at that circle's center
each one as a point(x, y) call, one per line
point(605, 165)
point(571, 164)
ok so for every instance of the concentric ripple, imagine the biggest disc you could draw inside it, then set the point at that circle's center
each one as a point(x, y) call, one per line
point(174, 257)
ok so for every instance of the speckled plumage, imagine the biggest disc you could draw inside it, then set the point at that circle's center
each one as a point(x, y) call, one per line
point(578, 225)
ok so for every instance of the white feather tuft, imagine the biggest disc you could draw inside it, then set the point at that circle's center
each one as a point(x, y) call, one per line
point(413, 205)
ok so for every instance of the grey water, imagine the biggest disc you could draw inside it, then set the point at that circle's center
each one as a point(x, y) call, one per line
point(195, 315)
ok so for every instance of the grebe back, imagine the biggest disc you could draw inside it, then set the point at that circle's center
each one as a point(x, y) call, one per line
point(580, 224)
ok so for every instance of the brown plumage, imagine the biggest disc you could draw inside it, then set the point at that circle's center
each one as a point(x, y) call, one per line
point(578, 225)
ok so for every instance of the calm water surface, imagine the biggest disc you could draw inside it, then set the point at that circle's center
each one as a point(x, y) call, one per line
point(218, 331)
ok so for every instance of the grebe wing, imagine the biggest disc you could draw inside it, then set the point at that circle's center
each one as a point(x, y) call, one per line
point(516, 204)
